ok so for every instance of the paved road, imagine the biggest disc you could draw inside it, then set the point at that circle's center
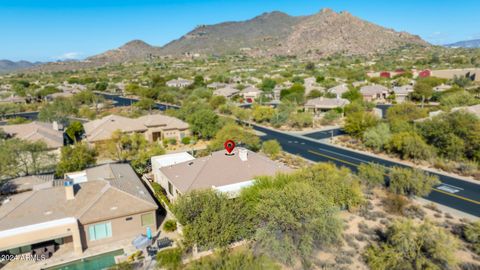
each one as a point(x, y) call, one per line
point(124, 101)
point(453, 192)
point(325, 134)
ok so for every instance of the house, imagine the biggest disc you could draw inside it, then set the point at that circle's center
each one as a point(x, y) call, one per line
point(91, 208)
point(402, 92)
point(154, 127)
point(323, 104)
point(179, 83)
point(374, 92)
point(222, 172)
point(338, 90)
point(216, 85)
point(50, 133)
point(168, 160)
point(227, 91)
point(251, 93)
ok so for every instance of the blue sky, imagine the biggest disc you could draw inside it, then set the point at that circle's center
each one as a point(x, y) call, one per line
point(39, 30)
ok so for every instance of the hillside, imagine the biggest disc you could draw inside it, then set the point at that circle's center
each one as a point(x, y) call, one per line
point(275, 33)
point(9, 66)
point(475, 43)
point(318, 35)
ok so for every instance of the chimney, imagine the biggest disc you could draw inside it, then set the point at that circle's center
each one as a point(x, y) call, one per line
point(243, 154)
point(69, 192)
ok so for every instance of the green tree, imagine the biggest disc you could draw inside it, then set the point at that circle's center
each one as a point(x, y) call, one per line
point(294, 94)
point(211, 220)
point(75, 158)
point(262, 113)
point(268, 85)
point(204, 123)
point(300, 120)
point(146, 104)
point(372, 174)
point(405, 112)
point(377, 137)
point(352, 95)
point(217, 101)
point(411, 182)
point(59, 110)
point(74, 131)
point(410, 145)
point(271, 148)
point(240, 135)
point(293, 221)
point(358, 122)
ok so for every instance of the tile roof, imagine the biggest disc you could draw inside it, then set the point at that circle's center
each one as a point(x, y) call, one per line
point(373, 89)
point(36, 131)
point(327, 103)
point(219, 169)
point(112, 190)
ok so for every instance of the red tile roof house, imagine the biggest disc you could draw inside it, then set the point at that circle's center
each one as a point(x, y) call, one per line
point(218, 171)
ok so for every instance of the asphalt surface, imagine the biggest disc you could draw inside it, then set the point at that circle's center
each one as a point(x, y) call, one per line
point(325, 134)
point(453, 192)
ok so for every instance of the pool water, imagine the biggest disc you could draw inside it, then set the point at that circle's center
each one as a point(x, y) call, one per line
point(97, 262)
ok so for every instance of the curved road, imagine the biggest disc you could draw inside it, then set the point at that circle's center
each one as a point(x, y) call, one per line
point(453, 192)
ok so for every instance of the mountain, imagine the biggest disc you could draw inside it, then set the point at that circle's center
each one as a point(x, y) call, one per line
point(131, 51)
point(475, 43)
point(276, 33)
point(9, 66)
point(268, 34)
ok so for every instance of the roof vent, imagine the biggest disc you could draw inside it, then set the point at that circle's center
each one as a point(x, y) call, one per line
point(113, 208)
point(243, 154)
point(47, 213)
point(190, 163)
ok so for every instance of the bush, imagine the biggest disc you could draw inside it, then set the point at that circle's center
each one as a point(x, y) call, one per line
point(271, 148)
point(411, 182)
point(372, 174)
point(410, 246)
point(172, 141)
point(472, 235)
point(169, 258)
point(395, 204)
point(186, 140)
point(170, 225)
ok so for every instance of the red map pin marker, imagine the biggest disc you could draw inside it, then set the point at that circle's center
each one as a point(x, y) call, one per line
point(229, 146)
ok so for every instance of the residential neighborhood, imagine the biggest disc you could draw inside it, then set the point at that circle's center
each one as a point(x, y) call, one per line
point(239, 135)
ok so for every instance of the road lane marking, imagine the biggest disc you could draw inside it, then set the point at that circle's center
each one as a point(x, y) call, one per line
point(457, 196)
point(356, 165)
point(448, 189)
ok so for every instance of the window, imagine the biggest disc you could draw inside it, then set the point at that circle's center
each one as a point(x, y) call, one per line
point(147, 219)
point(170, 188)
point(100, 231)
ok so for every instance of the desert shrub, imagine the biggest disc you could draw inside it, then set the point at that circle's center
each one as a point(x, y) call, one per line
point(410, 246)
point(170, 225)
point(372, 174)
point(414, 211)
point(395, 204)
point(169, 258)
point(472, 235)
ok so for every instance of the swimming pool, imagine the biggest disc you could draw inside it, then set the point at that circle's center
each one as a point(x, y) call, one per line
point(97, 262)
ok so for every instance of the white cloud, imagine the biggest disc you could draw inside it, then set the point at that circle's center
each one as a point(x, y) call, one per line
point(69, 56)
